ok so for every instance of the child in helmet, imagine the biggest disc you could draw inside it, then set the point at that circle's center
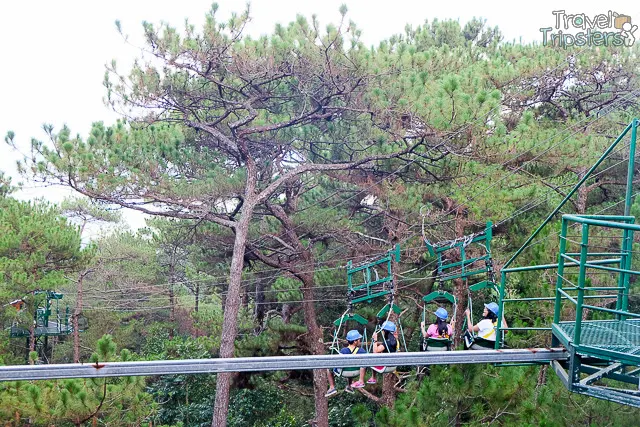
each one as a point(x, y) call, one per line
point(486, 328)
point(354, 339)
point(440, 329)
point(388, 344)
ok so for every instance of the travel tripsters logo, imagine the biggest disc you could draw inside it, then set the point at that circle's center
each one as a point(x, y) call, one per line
point(605, 29)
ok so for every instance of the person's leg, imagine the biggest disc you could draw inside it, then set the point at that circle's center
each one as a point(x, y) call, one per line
point(360, 382)
point(372, 380)
point(332, 383)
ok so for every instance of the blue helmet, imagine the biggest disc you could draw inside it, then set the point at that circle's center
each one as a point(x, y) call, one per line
point(388, 326)
point(492, 307)
point(353, 335)
point(442, 313)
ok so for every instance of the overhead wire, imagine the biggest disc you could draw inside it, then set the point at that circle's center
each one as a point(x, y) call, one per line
point(532, 205)
point(574, 126)
point(520, 211)
point(317, 288)
point(542, 239)
point(224, 293)
point(411, 280)
point(217, 281)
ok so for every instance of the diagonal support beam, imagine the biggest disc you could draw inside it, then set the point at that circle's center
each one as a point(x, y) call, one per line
point(561, 372)
point(601, 373)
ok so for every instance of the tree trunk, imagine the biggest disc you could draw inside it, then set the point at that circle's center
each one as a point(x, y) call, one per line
point(172, 299)
point(460, 286)
point(76, 314)
point(54, 341)
point(197, 292)
point(287, 312)
point(32, 339)
point(388, 390)
point(230, 321)
point(460, 294)
point(583, 194)
point(315, 343)
point(45, 350)
point(259, 299)
point(303, 271)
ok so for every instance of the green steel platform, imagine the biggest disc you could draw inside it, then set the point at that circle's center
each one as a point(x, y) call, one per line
point(613, 340)
point(50, 330)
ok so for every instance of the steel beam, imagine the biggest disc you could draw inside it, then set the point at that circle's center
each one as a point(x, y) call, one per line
point(618, 396)
point(596, 376)
point(277, 363)
point(562, 373)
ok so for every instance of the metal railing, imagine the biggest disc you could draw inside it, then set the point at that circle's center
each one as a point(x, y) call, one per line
point(586, 261)
point(276, 363)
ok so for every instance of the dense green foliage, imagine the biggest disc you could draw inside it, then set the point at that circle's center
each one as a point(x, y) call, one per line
point(491, 131)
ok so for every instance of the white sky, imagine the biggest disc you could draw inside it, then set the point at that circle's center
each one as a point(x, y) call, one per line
point(53, 51)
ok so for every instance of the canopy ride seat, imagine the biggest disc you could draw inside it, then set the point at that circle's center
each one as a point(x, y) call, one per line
point(434, 343)
point(382, 314)
point(339, 323)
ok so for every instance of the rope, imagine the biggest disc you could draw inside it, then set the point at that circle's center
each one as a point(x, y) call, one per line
point(334, 343)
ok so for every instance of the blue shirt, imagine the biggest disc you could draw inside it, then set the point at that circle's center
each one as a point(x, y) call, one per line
point(346, 350)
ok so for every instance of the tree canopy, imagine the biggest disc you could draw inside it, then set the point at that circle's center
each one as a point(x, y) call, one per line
point(268, 164)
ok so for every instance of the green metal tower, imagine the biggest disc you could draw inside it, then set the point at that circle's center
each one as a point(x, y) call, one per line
point(602, 338)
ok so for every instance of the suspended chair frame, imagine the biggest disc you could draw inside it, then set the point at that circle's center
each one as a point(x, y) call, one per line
point(437, 344)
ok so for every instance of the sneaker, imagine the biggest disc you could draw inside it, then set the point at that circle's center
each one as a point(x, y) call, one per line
point(330, 392)
point(371, 381)
point(349, 390)
point(357, 384)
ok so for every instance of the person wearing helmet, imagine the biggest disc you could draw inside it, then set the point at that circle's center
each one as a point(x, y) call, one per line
point(354, 339)
point(486, 328)
point(440, 329)
point(389, 341)
point(388, 344)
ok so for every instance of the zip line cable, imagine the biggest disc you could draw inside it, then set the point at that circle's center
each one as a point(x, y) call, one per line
point(412, 281)
point(598, 212)
point(575, 125)
point(339, 286)
point(552, 191)
point(542, 239)
point(382, 253)
point(549, 193)
point(245, 281)
point(164, 296)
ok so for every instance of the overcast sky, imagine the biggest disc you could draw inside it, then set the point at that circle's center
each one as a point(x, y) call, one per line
point(53, 52)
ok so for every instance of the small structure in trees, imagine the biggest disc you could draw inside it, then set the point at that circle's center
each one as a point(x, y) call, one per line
point(45, 326)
